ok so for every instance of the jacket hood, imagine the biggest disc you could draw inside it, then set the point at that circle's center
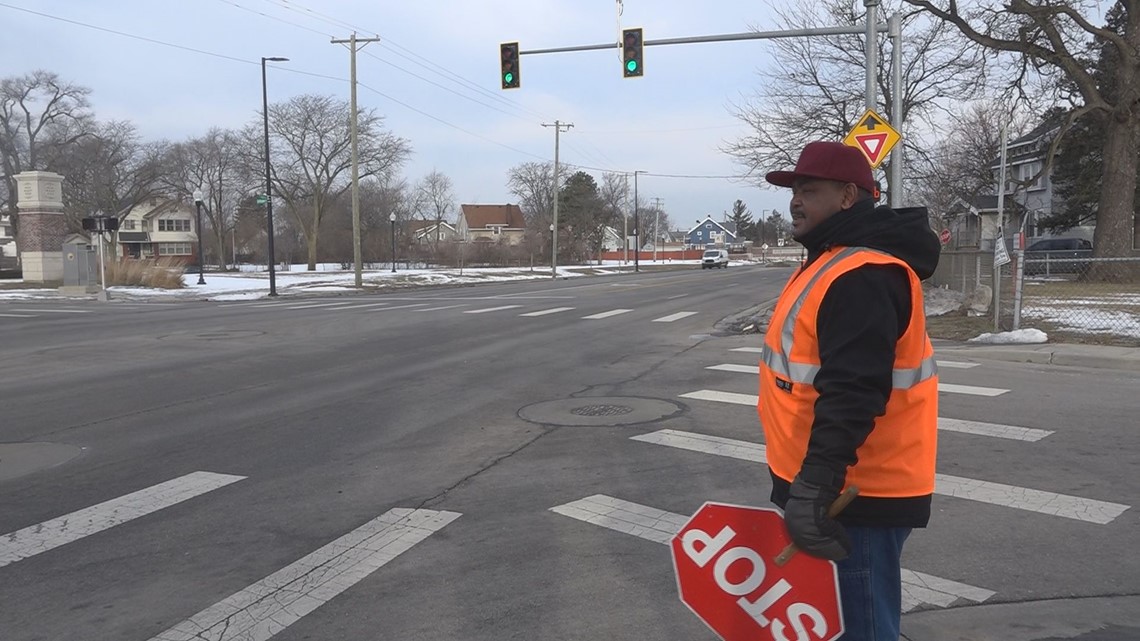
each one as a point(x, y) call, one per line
point(903, 233)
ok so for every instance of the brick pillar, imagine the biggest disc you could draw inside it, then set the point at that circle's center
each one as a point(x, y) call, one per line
point(42, 227)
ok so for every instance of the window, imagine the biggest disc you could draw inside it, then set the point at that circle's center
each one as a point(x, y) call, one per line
point(127, 225)
point(174, 249)
point(173, 224)
point(496, 230)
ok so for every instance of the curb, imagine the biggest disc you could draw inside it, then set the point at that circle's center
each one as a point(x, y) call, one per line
point(1107, 618)
point(1068, 356)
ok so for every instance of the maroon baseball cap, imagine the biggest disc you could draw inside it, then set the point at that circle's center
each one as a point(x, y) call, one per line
point(828, 161)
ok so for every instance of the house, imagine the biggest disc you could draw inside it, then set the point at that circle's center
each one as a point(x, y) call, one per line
point(611, 239)
point(710, 233)
point(159, 227)
point(491, 223)
point(427, 232)
point(974, 224)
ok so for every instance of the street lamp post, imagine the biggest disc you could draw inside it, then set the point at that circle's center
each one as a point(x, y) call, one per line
point(198, 232)
point(392, 220)
point(268, 183)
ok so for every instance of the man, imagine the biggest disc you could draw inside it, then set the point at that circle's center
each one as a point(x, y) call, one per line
point(848, 385)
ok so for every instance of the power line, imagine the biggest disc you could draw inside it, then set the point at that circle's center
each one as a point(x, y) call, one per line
point(298, 8)
point(278, 19)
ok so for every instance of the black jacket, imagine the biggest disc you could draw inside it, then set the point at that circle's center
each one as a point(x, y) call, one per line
point(859, 323)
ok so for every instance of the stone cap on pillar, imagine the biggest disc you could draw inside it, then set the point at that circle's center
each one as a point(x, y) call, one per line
point(39, 191)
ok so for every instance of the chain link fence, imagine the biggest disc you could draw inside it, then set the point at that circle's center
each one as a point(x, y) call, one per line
point(1070, 298)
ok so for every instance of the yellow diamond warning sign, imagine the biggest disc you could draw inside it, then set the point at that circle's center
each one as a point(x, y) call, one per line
point(874, 137)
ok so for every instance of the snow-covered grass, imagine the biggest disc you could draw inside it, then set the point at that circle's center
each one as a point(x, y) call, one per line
point(251, 282)
point(1017, 337)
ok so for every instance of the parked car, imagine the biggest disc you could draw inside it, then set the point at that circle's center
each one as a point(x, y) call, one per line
point(1057, 256)
point(714, 258)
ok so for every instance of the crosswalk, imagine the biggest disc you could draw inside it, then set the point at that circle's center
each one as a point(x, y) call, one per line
point(266, 607)
point(920, 590)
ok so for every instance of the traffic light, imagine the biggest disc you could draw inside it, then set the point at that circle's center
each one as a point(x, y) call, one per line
point(510, 59)
point(631, 46)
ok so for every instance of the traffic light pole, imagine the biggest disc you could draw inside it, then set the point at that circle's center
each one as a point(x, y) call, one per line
point(554, 226)
point(636, 226)
point(870, 29)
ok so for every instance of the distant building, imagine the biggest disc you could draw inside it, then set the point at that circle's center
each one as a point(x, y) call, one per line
point(491, 223)
point(709, 232)
point(157, 228)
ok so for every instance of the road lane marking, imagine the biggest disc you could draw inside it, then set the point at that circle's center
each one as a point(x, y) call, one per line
point(957, 364)
point(267, 607)
point(48, 535)
point(364, 306)
point(945, 388)
point(978, 428)
point(17, 315)
point(676, 297)
point(436, 309)
point(491, 309)
point(948, 388)
point(388, 309)
point(1019, 498)
point(674, 317)
point(612, 312)
point(544, 312)
point(316, 305)
point(54, 311)
point(659, 526)
point(946, 364)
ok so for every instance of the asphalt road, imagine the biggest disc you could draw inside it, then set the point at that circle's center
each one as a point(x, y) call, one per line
point(421, 465)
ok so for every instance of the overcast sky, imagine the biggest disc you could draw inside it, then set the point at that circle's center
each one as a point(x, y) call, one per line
point(672, 121)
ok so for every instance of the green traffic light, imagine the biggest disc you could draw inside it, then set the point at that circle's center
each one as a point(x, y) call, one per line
point(508, 78)
point(631, 66)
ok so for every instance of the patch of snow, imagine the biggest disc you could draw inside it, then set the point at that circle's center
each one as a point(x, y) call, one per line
point(239, 296)
point(28, 294)
point(1017, 337)
point(939, 301)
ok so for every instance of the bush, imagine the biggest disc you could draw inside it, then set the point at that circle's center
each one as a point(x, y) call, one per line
point(164, 273)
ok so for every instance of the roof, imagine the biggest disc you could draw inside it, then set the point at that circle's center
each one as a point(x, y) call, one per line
point(134, 237)
point(726, 226)
point(983, 204)
point(1042, 135)
point(483, 216)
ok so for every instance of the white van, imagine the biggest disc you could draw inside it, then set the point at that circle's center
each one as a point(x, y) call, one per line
point(714, 258)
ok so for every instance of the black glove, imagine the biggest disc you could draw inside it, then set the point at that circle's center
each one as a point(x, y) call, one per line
point(811, 529)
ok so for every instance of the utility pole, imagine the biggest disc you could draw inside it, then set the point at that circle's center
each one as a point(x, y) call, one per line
point(625, 226)
point(352, 43)
point(554, 226)
point(636, 227)
point(657, 203)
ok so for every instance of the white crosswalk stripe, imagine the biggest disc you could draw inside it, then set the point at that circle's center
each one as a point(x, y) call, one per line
point(54, 311)
point(942, 387)
point(363, 306)
point(660, 526)
point(545, 312)
point(977, 428)
point(267, 607)
point(491, 309)
point(612, 312)
point(674, 317)
point(17, 315)
point(1021, 498)
point(49, 535)
point(941, 363)
point(315, 305)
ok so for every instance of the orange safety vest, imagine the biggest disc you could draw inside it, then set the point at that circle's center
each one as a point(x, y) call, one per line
point(897, 459)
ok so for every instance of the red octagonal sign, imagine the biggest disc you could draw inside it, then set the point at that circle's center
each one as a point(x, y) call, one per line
point(724, 557)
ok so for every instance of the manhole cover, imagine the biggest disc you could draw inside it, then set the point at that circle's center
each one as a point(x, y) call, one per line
point(602, 410)
point(599, 411)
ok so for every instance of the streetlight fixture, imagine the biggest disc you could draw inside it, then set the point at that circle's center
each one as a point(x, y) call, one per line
point(392, 220)
point(268, 182)
point(198, 232)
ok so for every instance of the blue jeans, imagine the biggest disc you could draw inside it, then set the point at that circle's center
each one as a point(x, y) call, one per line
point(870, 585)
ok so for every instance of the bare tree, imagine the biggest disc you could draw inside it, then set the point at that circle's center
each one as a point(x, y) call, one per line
point(211, 163)
point(438, 196)
point(614, 194)
point(533, 184)
point(814, 87)
point(309, 142)
point(110, 171)
point(1051, 37)
point(40, 116)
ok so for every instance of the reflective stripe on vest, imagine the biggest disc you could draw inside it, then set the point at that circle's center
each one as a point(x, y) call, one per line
point(795, 372)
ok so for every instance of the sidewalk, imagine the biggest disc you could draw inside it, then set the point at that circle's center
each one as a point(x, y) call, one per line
point(1071, 354)
point(1115, 618)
